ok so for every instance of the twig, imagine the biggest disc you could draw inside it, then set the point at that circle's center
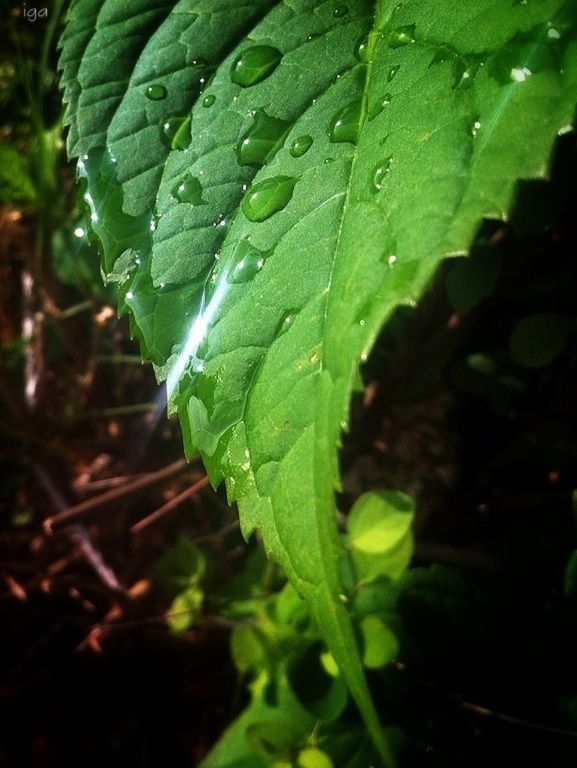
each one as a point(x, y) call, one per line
point(170, 505)
point(78, 510)
point(479, 710)
point(82, 539)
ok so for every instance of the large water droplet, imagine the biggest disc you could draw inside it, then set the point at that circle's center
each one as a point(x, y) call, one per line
point(345, 124)
point(209, 100)
point(262, 139)
point(301, 146)
point(189, 190)
point(249, 261)
point(268, 197)
point(362, 49)
point(175, 132)
point(156, 92)
point(380, 173)
point(341, 10)
point(255, 64)
point(378, 106)
point(402, 36)
point(393, 71)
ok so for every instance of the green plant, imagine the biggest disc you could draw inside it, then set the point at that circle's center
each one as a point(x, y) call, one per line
point(268, 183)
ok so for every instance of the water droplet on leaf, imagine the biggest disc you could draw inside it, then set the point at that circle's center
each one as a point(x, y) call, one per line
point(381, 172)
point(519, 74)
point(268, 197)
point(393, 72)
point(209, 100)
point(376, 109)
point(402, 36)
point(156, 92)
point(262, 139)
point(362, 50)
point(249, 261)
point(175, 132)
point(345, 124)
point(341, 10)
point(189, 190)
point(255, 64)
point(285, 323)
point(300, 146)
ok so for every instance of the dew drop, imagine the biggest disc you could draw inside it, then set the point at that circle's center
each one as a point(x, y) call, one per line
point(188, 190)
point(209, 100)
point(340, 11)
point(301, 146)
point(376, 109)
point(254, 64)
point(391, 261)
point(345, 124)
point(313, 36)
point(262, 139)
point(175, 132)
point(520, 74)
point(381, 172)
point(475, 128)
point(268, 197)
point(362, 49)
point(402, 36)
point(285, 323)
point(156, 92)
point(393, 72)
point(199, 63)
point(249, 262)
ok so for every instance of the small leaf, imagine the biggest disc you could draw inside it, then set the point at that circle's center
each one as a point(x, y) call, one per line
point(321, 694)
point(16, 185)
point(380, 643)
point(247, 649)
point(380, 536)
point(270, 738)
point(312, 757)
point(538, 339)
point(186, 609)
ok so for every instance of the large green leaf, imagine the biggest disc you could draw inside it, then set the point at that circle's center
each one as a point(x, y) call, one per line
point(386, 132)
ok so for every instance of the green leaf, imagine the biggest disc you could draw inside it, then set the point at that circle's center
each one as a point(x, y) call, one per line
point(259, 296)
point(380, 644)
point(311, 757)
point(537, 339)
point(380, 536)
point(16, 185)
point(186, 608)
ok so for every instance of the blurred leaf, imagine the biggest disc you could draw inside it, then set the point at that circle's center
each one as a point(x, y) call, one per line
point(321, 694)
point(380, 538)
point(311, 757)
point(186, 608)
point(379, 642)
point(182, 565)
point(537, 339)
point(16, 185)
point(248, 649)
